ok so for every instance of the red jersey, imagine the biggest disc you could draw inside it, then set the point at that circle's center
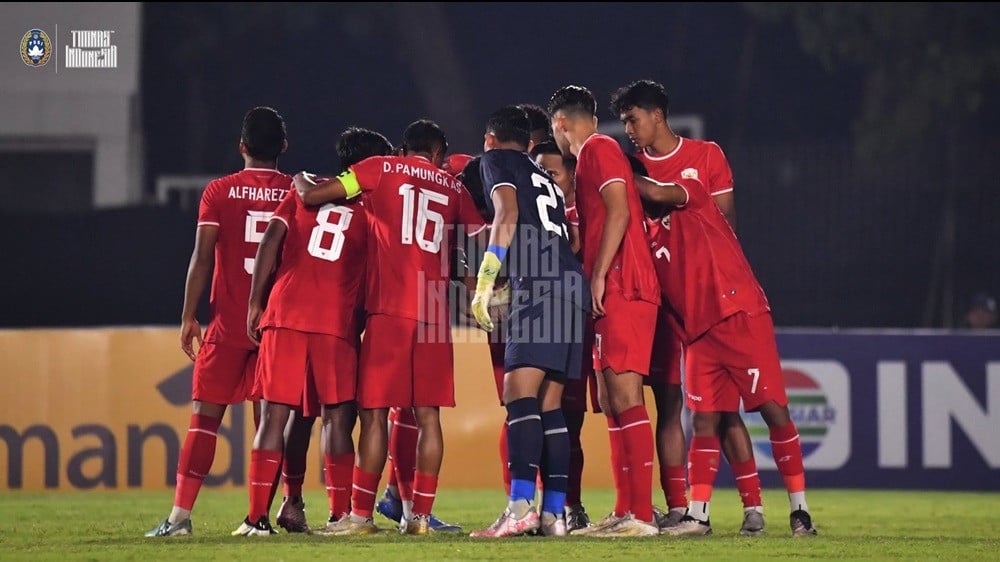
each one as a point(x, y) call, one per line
point(705, 276)
point(692, 159)
point(318, 286)
point(414, 209)
point(600, 163)
point(240, 205)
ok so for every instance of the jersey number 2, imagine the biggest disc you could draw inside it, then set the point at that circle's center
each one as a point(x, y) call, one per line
point(547, 201)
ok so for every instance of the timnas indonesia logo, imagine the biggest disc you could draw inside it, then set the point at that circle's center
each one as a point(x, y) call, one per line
point(90, 458)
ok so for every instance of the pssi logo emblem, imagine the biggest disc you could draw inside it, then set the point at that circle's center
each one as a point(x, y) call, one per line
point(818, 401)
point(36, 48)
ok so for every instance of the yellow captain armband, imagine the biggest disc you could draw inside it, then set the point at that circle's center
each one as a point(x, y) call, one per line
point(350, 182)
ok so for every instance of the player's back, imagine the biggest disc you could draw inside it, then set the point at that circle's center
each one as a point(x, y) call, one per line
point(706, 275)
point(240, 205)
point(691, 159)
point(600, 163)
point(318, 285)
point(540, 258)
point(413, 208)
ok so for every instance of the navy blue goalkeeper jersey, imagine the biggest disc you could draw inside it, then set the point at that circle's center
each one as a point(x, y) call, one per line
point(540, 260)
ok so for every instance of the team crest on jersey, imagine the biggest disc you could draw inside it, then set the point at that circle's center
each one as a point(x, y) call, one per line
point(689, 174)
point(36, 48)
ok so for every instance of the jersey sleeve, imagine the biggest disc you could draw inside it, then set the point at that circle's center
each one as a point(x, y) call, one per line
point(468, 214)
point(495, 174)
point(609, 164)
point(697, 195)
point(572, 216)
point(368, 172)
point(286, 209)
point(720, 175)
point(208, 209)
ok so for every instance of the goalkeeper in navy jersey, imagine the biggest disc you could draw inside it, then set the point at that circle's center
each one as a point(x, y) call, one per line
point(550, 300)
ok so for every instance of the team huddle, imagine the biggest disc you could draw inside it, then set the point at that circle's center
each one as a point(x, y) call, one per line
point(598, 273)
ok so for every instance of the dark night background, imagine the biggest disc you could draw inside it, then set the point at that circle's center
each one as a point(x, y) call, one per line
point(862, 136)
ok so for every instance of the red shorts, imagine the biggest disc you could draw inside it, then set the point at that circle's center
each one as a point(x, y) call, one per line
point(737, 358)
point(405, 363)
point(295, 366)
point(624, 336)
point(665, 364)
point(224, 374)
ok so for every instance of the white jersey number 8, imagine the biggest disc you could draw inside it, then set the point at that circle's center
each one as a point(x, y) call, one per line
point(331, 219)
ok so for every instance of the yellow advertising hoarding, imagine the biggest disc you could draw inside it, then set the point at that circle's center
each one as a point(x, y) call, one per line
point(109, 409)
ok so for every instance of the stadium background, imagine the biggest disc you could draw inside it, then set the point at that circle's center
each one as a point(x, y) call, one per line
point(862, 139)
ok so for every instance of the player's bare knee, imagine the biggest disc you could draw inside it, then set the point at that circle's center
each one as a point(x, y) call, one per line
point(427, 416)
point(705, 424)
point(208, 409)
point(551, 395)
point(374, 418)
point(774, 414)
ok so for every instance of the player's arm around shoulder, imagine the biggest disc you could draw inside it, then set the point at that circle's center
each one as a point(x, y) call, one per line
point(315, 192)
point(672, 194)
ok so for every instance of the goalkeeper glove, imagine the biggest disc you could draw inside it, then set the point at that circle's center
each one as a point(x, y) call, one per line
point(488, 272)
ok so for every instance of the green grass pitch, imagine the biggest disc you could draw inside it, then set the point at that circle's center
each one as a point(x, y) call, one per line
point(852, 524)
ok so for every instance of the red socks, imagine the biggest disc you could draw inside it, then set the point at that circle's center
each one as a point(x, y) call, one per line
point(703, 464)
point(363, 493)
point(787, 453)
point(619, 468)
point(338, 472)
point(403, 450)
point(673, 481)
point(264, 467)
point(747, 482)
point(424, 490)
point(196, 459)
point(637, 436)
point(504, 461)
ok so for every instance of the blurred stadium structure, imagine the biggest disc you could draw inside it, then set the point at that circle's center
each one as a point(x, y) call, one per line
point(837, 239)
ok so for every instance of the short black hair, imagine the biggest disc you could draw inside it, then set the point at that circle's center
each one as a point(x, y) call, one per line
point(263, 133)
point(537, 117)
point(471, 178)
point(550, 147)
point(424, 135)
point(637, 166)
point(573, 100)
point(644, 94)
point(510, 124)
point(357, 143)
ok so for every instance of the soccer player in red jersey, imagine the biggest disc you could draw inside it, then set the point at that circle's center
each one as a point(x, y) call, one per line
point(396, 503)
point(406, 355)
point(626, 296)
point(309, 345)
point(232, 216)
point(720, 311)
point(642, 107)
